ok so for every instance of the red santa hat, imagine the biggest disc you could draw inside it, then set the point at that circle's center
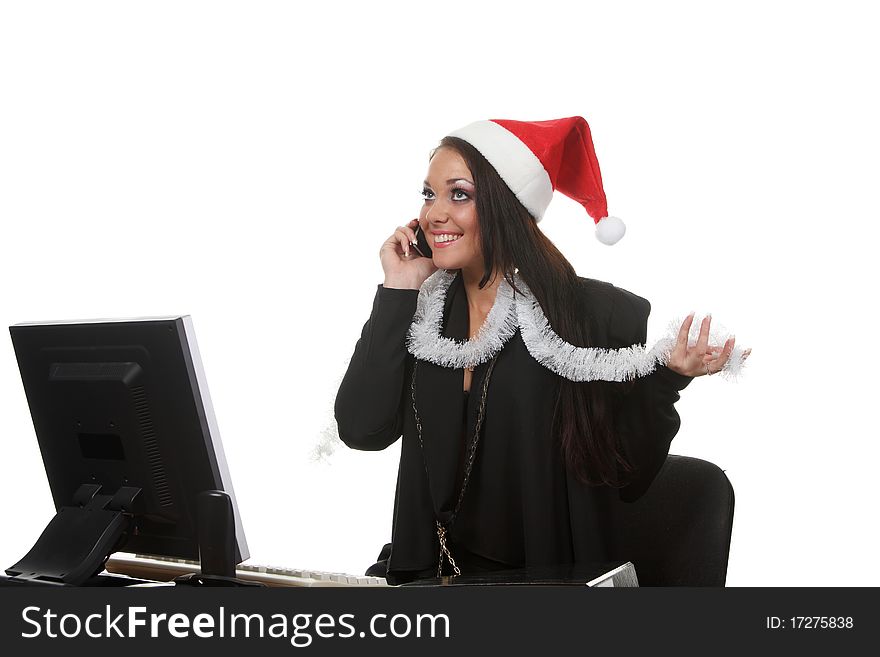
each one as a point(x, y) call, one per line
point(536, 157)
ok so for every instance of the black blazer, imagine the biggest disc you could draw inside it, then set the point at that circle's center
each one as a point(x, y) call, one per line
point(522, 506)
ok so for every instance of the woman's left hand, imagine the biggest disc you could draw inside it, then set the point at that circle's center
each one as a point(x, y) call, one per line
point(701, 358)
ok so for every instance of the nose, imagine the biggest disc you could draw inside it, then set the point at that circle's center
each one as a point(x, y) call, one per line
point(433, 217)
point(437, 213)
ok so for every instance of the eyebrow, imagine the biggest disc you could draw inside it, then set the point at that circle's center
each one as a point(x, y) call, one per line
point(451, 181)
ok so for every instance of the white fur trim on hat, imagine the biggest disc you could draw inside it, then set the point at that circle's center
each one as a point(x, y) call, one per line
point(517, 165)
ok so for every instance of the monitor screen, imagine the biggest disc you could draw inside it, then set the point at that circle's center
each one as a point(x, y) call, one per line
point(123, 405)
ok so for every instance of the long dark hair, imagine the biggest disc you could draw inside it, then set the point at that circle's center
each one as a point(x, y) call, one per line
point(511, 239)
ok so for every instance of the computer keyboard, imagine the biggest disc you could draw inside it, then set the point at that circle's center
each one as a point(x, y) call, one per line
point(165, 569)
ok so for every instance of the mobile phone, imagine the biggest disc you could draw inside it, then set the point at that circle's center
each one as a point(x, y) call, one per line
point(421, 246)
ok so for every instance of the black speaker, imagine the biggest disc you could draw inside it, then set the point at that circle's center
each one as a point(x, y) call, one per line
point(216, 531)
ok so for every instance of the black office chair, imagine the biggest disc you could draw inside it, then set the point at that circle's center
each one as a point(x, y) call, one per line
point(678, 532)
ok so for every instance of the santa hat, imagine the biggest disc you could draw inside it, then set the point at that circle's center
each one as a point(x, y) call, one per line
point(536, 157)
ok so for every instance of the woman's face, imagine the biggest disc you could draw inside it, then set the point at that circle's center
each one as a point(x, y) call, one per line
point(449, 214)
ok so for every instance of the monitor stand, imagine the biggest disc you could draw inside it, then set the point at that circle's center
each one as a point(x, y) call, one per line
point(79, 539)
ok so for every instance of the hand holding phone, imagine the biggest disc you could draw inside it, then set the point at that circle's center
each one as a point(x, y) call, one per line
point(406, 257)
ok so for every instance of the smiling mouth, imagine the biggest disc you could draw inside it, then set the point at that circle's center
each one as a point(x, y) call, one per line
point(446, 238)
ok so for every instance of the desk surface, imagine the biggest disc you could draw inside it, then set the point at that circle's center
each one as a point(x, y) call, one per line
point(612, 574)
point(606, 574)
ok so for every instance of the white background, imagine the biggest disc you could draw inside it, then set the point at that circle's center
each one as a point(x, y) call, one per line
point(242, 162)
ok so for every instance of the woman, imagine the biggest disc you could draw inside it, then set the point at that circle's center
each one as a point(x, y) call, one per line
point(522, 392)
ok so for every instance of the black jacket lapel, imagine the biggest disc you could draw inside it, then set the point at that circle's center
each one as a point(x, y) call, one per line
point(440, 404)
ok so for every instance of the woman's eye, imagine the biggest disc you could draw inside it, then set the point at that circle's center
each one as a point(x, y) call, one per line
point(459, 195)
point(427, 194)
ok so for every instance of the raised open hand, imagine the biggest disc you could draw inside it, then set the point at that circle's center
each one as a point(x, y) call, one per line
point(700, 358)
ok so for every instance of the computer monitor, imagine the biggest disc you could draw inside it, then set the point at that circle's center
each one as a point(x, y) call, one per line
point(128, 438)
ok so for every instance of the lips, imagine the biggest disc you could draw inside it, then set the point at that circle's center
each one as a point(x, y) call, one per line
point(445, 240)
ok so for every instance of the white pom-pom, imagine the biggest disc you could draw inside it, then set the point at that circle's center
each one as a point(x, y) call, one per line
point(609, 230)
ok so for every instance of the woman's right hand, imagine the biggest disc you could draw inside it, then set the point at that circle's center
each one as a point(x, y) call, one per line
point(404, 268)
